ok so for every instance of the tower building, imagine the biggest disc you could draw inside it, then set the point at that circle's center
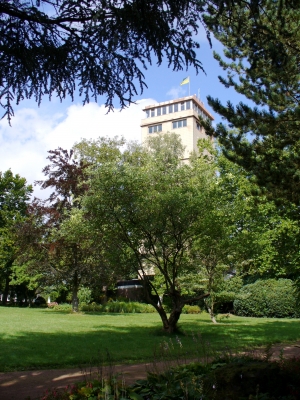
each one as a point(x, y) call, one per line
point(179, 116)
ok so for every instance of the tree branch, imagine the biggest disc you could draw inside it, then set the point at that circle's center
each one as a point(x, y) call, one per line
point(202, 296)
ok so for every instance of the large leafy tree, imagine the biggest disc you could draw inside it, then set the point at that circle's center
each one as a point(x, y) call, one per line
point(14, 197)
point(262, 45)
point(244, 235)
point(168, 217)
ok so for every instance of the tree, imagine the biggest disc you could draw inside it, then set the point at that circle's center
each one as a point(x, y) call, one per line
point(56, 241)
point(98, 151)
point(56, 237)
point(228, 241)
point(14, 197)
point(53, 46)
point(159, 212)
point(263, 43)
point(244, 235)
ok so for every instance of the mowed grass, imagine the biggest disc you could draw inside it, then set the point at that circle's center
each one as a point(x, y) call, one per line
point(40, 338)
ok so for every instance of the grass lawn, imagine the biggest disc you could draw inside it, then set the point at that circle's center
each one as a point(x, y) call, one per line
point(40, 338)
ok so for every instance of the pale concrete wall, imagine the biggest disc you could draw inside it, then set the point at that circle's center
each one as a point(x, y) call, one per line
point(189, 134)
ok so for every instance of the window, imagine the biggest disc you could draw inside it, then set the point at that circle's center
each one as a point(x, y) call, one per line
point(152, 112)
point(155, 128)
point(158, 111)
point(164, 110)
point(198, 126)
point(147, 113)
point(176, 107)
point(197, 109)
point(171, 108)
point(179, 124)
point(188, 105)
point(182, 106)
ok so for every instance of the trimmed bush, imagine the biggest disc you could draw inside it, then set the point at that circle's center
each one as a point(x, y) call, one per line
point(187, 309)
point(61, 307)
point(118, 307)
point(267, 298)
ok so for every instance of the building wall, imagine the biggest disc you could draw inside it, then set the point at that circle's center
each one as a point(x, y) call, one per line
point(183, 120)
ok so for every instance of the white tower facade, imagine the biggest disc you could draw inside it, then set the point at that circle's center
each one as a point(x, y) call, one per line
point(179, 116)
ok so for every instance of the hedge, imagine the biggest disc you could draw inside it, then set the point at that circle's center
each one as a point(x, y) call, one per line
point(267, 298)
point(119, 307)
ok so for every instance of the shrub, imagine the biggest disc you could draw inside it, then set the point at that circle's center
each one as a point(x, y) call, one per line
point(84, 295)
point(62, 307)
point(146, 308)
point(92, 307)
point(52, 304)
point(235, 379)
point(187, 309)
point(118, 307)
point(267, 298)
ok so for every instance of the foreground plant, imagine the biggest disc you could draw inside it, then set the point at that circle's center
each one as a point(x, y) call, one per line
point(235, 379)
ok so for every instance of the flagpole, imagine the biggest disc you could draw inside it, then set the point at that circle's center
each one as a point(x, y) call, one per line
point(189, 86)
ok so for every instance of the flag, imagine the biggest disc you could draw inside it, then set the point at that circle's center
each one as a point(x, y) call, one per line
point(185, 81)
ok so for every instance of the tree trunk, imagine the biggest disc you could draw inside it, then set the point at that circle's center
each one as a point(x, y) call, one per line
point(173, 319)
point(163, 317)
point(210, 309)
point(169, 324)
point(75, 288)
point(5, 291)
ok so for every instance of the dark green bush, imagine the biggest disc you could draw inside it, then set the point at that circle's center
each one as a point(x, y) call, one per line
point(236, 379)
point(267, 298)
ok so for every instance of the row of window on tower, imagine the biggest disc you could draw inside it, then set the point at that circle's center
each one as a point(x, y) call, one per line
point(181, 123)
point(172, 108)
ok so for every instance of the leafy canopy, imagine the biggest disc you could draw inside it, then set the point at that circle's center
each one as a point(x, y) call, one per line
point(262, 44)
point(98, 46)
point(14, 197)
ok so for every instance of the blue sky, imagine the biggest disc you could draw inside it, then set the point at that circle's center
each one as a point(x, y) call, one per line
point(35, 130)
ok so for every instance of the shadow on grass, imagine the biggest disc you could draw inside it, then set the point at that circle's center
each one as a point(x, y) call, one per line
point(132, 344)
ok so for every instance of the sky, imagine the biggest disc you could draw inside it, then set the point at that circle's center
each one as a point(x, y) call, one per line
point(35, 130)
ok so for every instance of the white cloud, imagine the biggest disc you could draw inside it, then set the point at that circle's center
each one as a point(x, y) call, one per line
point(24, 146)
point(176, 92)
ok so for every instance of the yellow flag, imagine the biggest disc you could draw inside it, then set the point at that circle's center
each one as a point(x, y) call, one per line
point(185, 81)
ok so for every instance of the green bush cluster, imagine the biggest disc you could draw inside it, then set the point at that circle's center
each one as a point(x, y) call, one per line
point(267, 298)
point(61, 307)
point(187, 309)
point(118, 307)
